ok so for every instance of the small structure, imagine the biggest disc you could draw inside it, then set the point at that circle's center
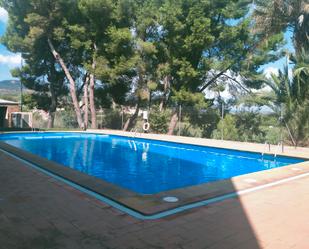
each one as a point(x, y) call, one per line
point(21, 120)
point(6, 108)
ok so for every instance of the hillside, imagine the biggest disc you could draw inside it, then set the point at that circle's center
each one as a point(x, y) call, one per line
point(9, 86)
point(10, 90)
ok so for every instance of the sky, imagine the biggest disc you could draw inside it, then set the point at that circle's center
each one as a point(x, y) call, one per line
point(9, 60)
point(273, 67)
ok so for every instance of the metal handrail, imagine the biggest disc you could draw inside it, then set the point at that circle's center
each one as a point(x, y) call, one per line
point(264, 151)
point(280, 144)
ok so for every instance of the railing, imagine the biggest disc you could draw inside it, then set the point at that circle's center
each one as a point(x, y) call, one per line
point(278, 148)
point(277, 151)
point(266, 145)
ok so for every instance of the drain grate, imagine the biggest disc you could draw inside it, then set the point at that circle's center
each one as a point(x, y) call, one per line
point(170, 199)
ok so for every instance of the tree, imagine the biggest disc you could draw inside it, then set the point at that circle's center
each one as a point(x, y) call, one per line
point(205, 119)
point(144, 34)
point(158, 120)
point(276, 16)
point(287, 102)
point(97, 17)
point(199, 45)
point(248, 124)
point(116, 67)
point(136, 52)
point(42, 77)
point(301, 76)
point(226, 129)
point(40, 25)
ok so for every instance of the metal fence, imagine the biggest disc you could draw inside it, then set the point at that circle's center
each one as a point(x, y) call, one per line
point(218, 123)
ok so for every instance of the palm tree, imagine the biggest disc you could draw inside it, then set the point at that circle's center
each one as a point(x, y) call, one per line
point(301, 76)
point(275, 16)
point(288, 101)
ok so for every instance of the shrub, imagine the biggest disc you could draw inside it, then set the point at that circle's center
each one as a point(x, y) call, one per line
point(158, 120)
point(65, 119)
point(227, 128)
point(249, 126)
point(112, 119)
point(204, 120)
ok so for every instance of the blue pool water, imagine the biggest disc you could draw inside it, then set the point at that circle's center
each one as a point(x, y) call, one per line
point(140, 165)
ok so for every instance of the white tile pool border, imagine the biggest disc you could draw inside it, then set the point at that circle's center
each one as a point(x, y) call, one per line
point(164, 213)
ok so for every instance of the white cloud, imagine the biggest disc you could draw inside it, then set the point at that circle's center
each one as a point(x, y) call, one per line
point(10, 60)
point(210, 94)
point(273, 70)
point(290, 73)
point(3, 15)
point(270, 70)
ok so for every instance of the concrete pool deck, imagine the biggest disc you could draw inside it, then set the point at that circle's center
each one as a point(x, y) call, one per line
point(38, 211)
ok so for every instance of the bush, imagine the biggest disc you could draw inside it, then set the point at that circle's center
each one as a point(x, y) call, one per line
point(273, 134)
point(188, 130)
point(205, 121)
point(65, 119)
point(249, 126)
point(112, 119)
point(227, 128)
point(159, 120)
point(38, 121)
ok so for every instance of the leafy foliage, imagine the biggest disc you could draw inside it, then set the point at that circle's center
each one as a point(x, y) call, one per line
point(249, 126)
point(158, 120)
point(226, 129)
point(112, 119)
point(165, 53)
point(273, 17)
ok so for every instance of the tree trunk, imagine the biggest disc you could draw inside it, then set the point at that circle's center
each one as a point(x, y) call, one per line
point(52, 108)
point(114, 105)
point(91, 93)
point(165, 94)
point(131, 119)
point(51, 120)
point(86, 105)
point(92, 104)
point(295, 143)
point(173, 123)
point(72, 85)
point(129, 123)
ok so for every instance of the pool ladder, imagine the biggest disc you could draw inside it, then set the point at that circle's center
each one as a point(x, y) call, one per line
point(278, 148)
point(267, 145)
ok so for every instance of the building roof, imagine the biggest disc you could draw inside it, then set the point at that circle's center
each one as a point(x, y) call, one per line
point(7, 102)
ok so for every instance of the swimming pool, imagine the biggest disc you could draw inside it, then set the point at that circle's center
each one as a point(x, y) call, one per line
point(140, 165)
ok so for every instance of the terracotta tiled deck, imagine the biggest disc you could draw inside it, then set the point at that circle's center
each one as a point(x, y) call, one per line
point(39, 212)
